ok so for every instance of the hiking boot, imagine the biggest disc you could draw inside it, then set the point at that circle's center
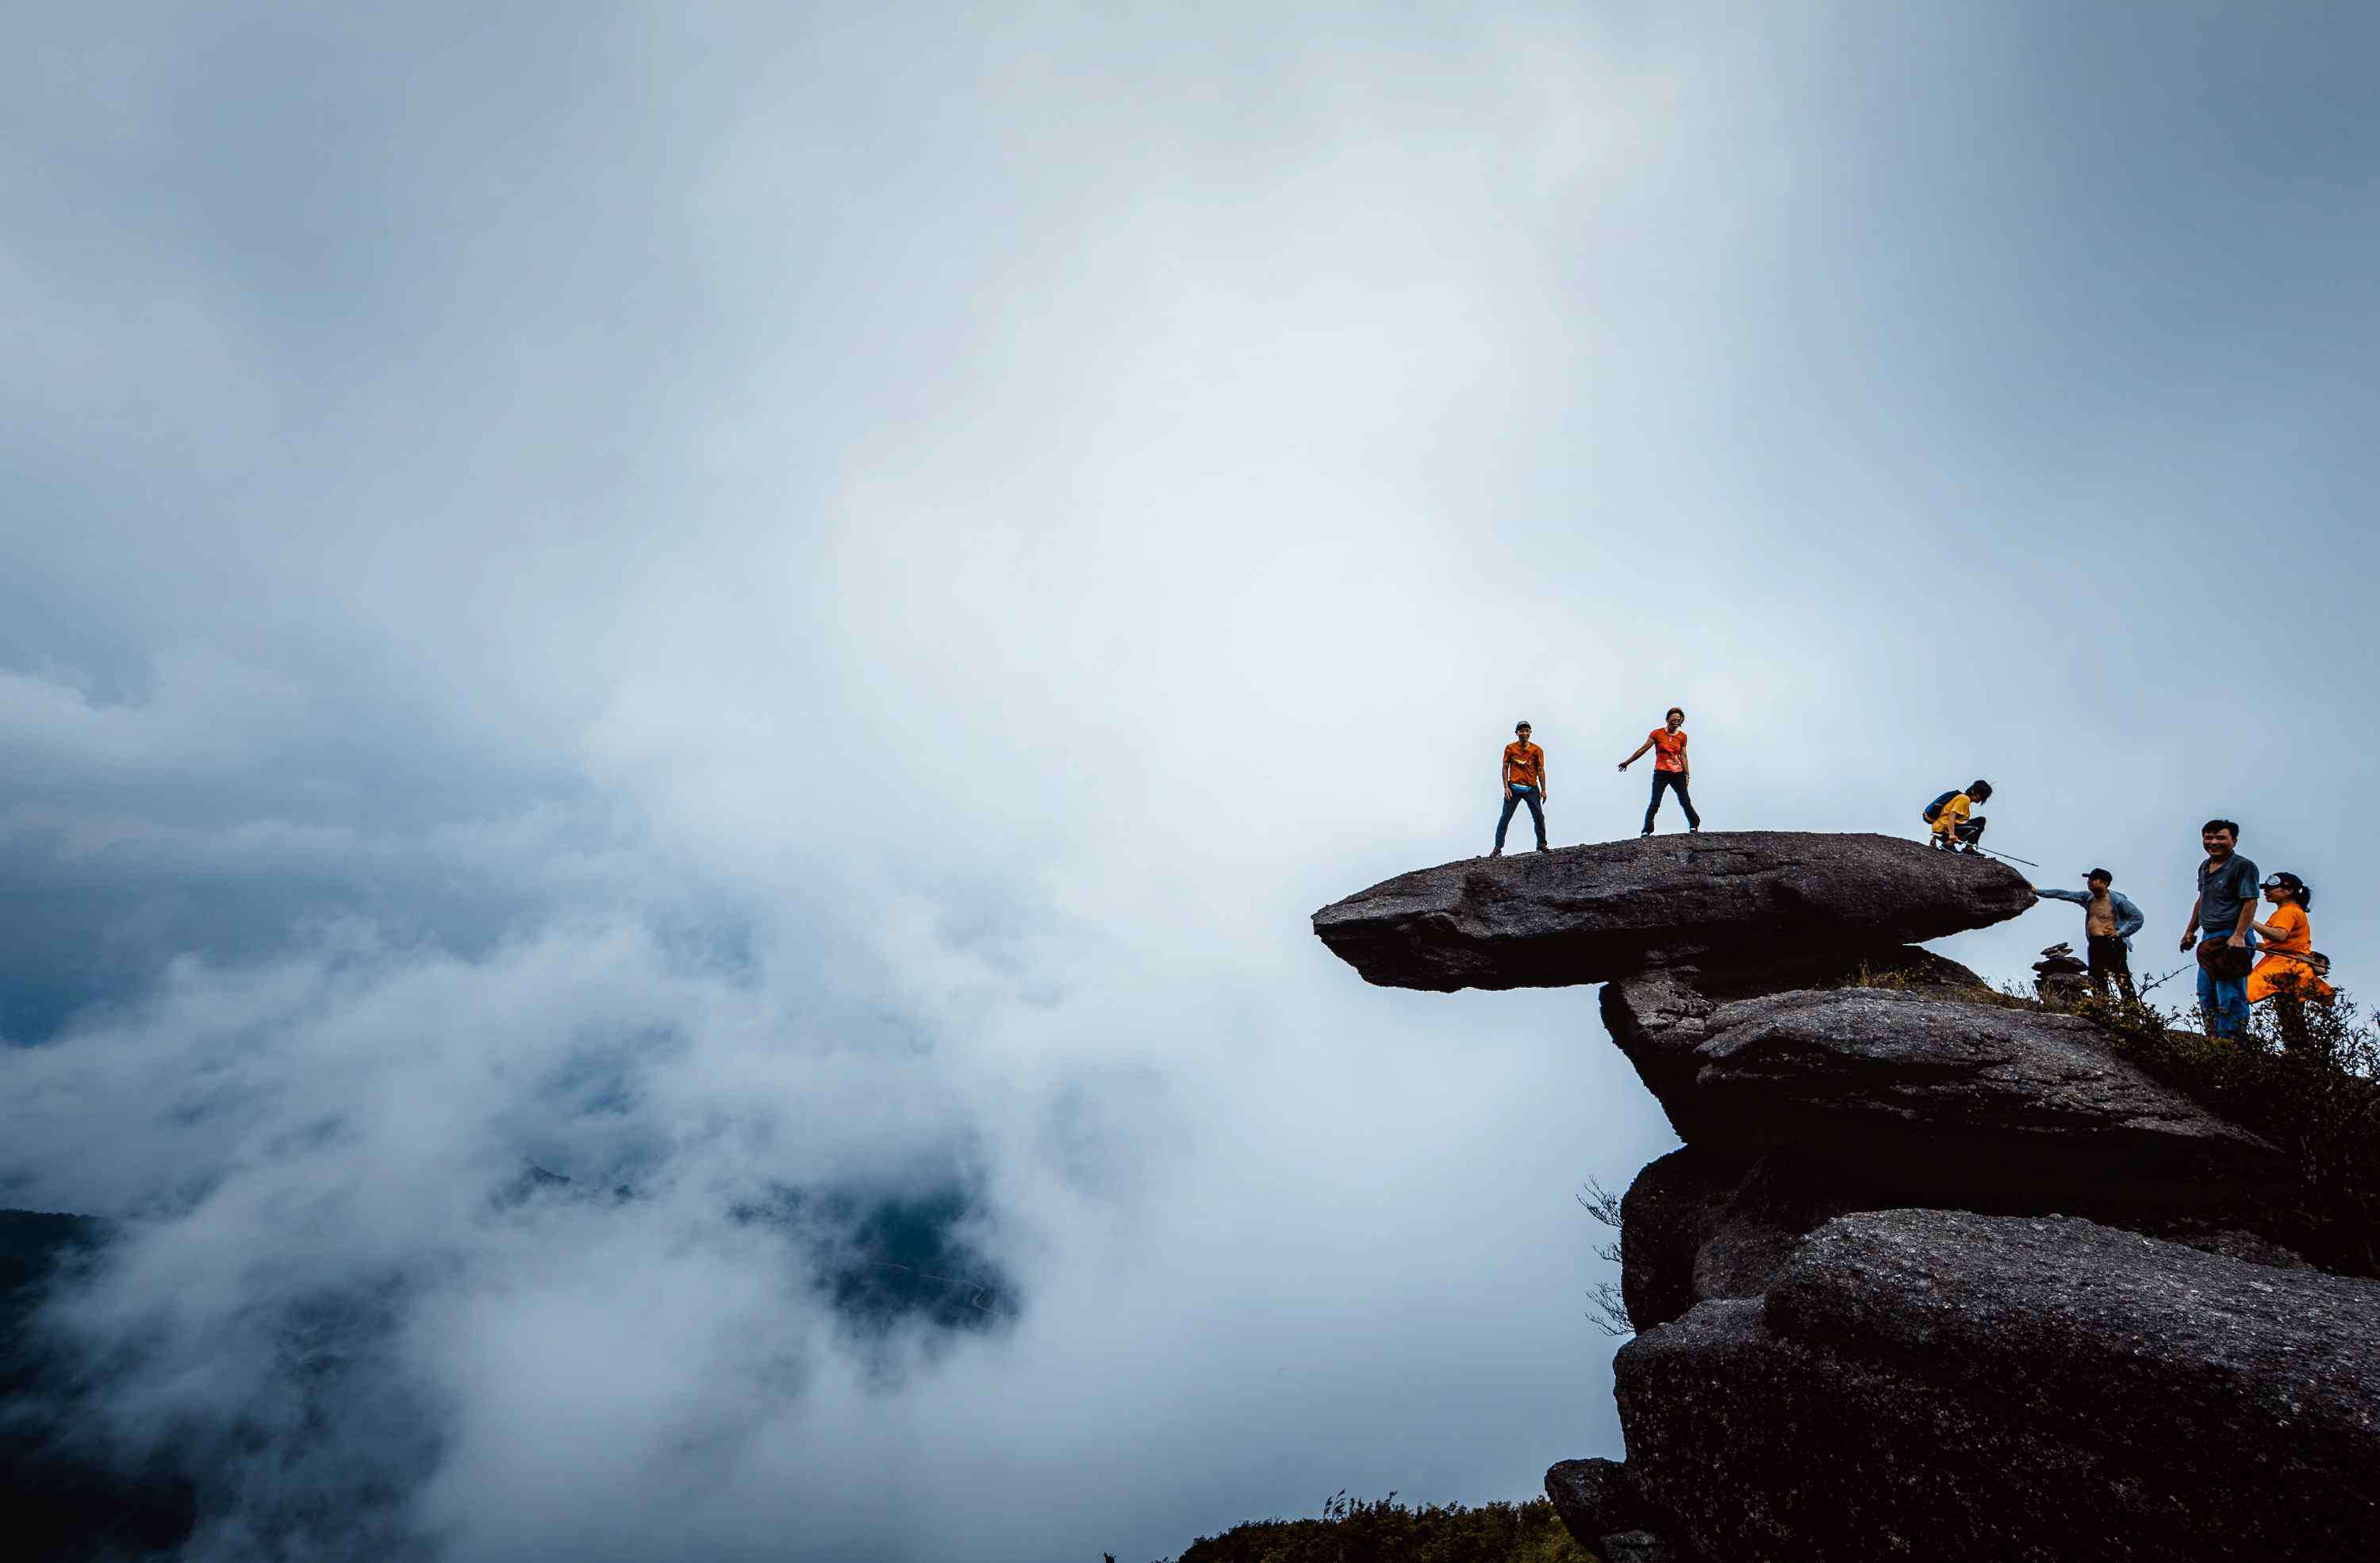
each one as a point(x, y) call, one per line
point(1497, 852)
point(1542, 847)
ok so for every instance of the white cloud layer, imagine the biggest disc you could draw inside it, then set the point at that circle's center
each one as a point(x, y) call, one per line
point(740, 599)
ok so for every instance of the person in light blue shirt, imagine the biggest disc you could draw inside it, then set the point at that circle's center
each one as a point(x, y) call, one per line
point(2109, 921)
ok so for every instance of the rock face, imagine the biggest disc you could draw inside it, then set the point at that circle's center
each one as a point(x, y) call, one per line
point(1964, 1385)
point(1865, 1329)
point(1589, 913)
point(1660, 1018)
point(1595, 1498)
point(1669, 1213)
point(1987, 1093)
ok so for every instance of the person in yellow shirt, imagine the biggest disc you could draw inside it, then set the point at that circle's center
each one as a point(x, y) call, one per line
point(2288, 975)
point(1950, 817)
point(1524, 783)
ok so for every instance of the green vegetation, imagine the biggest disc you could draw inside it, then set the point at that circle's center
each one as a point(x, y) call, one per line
point(1900, 978)
point(1352, 1531)
point(2319, 1103)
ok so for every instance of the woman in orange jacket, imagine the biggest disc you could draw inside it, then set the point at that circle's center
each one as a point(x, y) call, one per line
point(2288, 973)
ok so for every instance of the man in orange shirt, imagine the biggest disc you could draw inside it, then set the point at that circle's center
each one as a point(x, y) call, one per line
point(1524, 783)
point(1671, 767)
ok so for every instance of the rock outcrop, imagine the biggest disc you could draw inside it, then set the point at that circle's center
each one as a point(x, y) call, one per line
point(1589, 913)
point(1595, 1497)
point(1669, 1214)
point(1660, 1018)
point(1986, 1094)
point(1706, 1222)
point(1962, 1385)
point(1935, 1274)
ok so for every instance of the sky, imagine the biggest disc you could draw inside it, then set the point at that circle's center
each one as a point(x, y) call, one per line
point(782, 612)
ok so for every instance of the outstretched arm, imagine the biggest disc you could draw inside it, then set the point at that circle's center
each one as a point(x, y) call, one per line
point(1637, 756)
point(2079, 898)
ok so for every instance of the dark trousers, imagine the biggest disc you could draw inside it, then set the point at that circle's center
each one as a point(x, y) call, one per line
point(1968, 832)
point(2111, 959)
point(1514, 796)
point(1676, 782)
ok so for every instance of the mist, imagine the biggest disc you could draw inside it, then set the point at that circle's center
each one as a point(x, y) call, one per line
point(674, 687)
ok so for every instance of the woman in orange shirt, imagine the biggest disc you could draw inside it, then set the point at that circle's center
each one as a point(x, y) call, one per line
point(2287, 974)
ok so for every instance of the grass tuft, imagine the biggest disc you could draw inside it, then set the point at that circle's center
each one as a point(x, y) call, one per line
point(1384, 1530)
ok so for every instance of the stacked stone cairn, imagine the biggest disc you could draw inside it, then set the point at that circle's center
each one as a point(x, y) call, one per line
point(1934, 1276)
point(2060, 977)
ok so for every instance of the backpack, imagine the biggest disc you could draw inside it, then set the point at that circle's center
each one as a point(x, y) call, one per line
point(1933, 809)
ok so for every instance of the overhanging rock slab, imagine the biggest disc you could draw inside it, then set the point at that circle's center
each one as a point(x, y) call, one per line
point(1590, 913)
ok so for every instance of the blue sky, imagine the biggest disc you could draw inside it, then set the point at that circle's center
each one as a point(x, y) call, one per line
point(735, 599)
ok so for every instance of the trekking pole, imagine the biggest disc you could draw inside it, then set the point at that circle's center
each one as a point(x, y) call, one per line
point(1989, 852)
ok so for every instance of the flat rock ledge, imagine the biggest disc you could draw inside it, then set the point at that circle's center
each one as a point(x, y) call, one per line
point(1707, 1222)
point(1923, 1082)
point(1593, 913)
point(1939, 1383)
point(1660, 1019)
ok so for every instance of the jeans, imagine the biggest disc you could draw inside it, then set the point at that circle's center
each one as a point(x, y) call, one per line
point(1676, 782)
point(2224, 1000)
point(1514, 796)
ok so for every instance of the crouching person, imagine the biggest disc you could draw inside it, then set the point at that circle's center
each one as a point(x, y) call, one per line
point(1955, 825)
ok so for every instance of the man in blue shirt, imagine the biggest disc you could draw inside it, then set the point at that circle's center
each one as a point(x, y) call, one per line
point(2109, 921)
point(2224, 908)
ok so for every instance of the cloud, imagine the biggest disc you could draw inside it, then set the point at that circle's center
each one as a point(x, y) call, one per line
point(787, 613)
